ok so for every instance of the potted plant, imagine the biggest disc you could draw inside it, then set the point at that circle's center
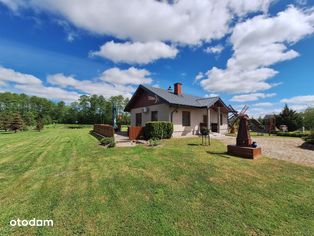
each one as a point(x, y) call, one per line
point(204, 131)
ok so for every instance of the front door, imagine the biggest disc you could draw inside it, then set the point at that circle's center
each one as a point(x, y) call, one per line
point(214, 127)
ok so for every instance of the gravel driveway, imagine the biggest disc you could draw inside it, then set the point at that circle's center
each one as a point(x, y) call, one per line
point(282, 148)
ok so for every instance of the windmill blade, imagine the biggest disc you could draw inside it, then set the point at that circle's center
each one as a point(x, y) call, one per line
point(244, 110)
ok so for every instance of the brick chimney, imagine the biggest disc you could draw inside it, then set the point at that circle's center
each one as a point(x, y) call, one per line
point(178, 88)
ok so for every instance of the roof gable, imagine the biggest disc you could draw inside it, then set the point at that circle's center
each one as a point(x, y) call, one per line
point(174, 99)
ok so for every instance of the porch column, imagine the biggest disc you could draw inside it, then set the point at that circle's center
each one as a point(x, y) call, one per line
point(218, 126)
point(208, 118)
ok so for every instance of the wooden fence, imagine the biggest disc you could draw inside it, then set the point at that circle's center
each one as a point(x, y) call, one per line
point(135, 132)
point(104, 130)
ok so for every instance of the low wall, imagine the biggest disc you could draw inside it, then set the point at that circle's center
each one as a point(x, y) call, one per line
point(135, 132)
point(104, 130)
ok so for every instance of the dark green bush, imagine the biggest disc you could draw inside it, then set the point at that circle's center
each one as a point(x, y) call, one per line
point(108, 141)
point(158, 130)
point(153, 142)
point(204, 131)
point(292, 134)
point(309, 138)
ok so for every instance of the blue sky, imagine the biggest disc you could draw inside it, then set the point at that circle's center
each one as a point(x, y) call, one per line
point(257, 52)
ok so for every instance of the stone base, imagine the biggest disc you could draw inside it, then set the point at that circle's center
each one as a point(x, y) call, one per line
point(246, 152)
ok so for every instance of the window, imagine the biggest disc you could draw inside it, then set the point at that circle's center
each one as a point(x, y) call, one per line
point(221, 122)
point(138, 119)
point(154, 116)
point(186, 118)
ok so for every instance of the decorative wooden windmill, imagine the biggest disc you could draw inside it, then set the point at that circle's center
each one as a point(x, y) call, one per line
point(244, 147)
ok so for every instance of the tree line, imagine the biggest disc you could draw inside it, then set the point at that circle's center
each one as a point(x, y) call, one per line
point(27, 111)
point(293, 120)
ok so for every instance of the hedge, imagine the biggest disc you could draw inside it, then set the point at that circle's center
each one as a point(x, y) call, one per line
point(309, 138)
point(158, 130)
point(292, 134)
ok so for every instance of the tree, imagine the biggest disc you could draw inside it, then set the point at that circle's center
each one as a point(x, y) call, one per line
point(290, 118)
point(5, 121)
point(29, 118)
point(39, 123)
point(16, 123)
point(88, 109)
point(309, 118)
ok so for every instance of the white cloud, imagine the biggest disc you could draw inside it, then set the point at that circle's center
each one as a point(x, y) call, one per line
point(299, 103)
point(251, 97)
point(211, 95)
point(136, 53)
point(31, 85)
point(215, 50)
point(230, 81)
point(307, 99)
point(48, 92)
point(258, 43)
point(263, 104)
point(9, 75)
point(262, 111)
point(184, 21)
point(130, 76)
point(299, 108)
point(111, 82)
point(199, 76)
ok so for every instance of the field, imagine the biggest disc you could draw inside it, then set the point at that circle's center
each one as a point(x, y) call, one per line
point(178, 188)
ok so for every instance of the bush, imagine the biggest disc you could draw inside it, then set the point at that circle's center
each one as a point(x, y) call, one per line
point(204, 131)
point(108, 141)
point(153, 142)
point(158, 130)
point(292, 134)
point(309, 138)
point(39, 124)
point(309, 118)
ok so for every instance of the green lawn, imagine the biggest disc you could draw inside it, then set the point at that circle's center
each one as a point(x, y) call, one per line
point(179, 188)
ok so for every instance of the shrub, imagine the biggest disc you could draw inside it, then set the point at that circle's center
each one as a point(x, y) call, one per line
point(204, 131)
point(292, 134)
point(153, 142)
point(39, 124)
point(309, 118)
point(108, 141)
point(309, 138)
point(158, 130)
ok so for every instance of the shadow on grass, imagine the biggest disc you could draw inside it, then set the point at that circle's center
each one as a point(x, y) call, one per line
point(95, 135)
point(194, 144)
point(221, 154)
point(4, 132)
point(307, 146)
point(74, 127)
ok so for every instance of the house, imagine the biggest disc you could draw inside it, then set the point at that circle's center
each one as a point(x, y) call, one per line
point(187, 113)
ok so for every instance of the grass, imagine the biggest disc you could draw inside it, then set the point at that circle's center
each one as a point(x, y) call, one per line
point(177, 188)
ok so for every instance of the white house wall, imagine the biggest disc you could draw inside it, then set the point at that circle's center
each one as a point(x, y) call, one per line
point(196, 118)
point(163, 113)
